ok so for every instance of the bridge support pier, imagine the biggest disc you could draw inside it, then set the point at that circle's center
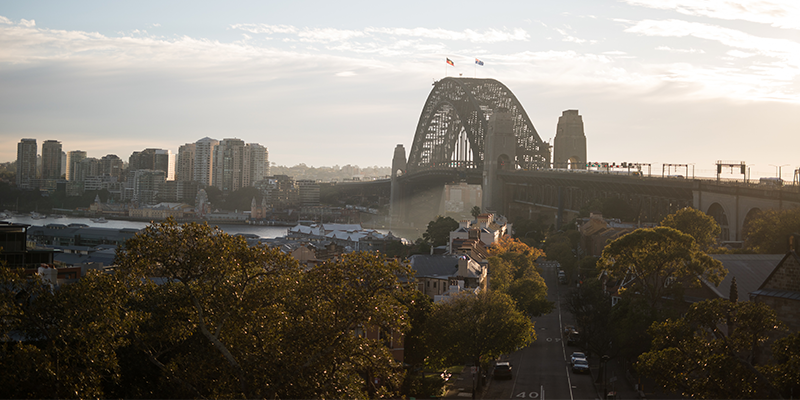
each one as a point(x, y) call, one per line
point(501, 146)
point(396, 206)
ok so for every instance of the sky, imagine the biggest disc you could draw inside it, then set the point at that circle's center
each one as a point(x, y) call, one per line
point(343, 82)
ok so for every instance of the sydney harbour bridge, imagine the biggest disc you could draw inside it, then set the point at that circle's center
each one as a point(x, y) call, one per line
point(475, 131)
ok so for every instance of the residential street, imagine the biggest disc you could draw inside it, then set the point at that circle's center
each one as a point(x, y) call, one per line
point(542, 370)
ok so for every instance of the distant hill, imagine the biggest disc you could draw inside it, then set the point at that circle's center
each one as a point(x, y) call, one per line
point(302, 171)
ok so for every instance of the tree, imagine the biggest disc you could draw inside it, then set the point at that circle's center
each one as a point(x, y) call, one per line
point(438, 232)
point(769, 231)
point(591, 308)
point(477, 328)
point(697, 356)
point(60, 343)
point(695, 223)
point(513, 270)
point(475, 211)
point(659, 263)
point(224, 319)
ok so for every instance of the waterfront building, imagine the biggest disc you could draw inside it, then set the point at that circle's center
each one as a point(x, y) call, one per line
point(256, 164)
point(204, 161)
point(26, 162)
point(51, 159)
point(153, 159)
point(111, 165)
point(229, 164)
point(184, 168)
point(74, 158)
point(308, 191)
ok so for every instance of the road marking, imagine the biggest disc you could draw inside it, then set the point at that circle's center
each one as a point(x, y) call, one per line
point(553, 339)
point(528, 395)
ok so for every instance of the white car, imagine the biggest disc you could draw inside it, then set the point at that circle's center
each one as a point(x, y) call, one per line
point(577, 356)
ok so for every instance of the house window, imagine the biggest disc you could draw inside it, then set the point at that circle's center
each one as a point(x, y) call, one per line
point(434, 285)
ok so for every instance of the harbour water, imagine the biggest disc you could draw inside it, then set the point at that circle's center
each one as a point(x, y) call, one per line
point(262, 231)
point(268, 232)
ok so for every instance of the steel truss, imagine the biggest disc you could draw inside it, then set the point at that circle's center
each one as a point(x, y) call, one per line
point(454, 122)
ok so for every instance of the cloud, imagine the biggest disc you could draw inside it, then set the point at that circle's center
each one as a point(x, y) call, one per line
point(757, 68)
point(670, 49)
point(26, 23)
point(345, 74)
point(330, 34)
point(777, 13)
point(780, 48)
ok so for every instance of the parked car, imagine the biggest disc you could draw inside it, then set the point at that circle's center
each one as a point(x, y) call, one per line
point(573, 339)
point(580, 366)
point(577, 356)
point(502, 369)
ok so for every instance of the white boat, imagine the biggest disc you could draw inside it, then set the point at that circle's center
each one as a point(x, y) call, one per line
point(35, 215)
point(99, 220)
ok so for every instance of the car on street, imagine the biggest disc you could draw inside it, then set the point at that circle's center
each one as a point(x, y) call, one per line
point(576, 356)
point(502, 369)
point(580, 366)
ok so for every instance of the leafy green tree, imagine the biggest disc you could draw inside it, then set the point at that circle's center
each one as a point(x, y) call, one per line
point(475, 211)
point(695, 223)
point(659, 263)
point(477, 328)
point(438, 232)
point(223, 319)
point(530, 295)
point(769, 231)
point(60, 343)
point(698, 357)
point(784, 373)
point(591, 308)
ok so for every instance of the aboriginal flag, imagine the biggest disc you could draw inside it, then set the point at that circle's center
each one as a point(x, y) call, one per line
point(450, 62)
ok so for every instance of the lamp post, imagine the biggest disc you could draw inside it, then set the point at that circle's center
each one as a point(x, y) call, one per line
point(605, 366)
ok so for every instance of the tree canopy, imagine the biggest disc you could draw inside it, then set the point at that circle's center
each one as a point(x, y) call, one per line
point(194, 312)
point(438, 232)
point(513, 270)
point(477, 328)
point(269, 329)
point(659, 263)
point(769, 231)
point(713, 352)
point(695, 223)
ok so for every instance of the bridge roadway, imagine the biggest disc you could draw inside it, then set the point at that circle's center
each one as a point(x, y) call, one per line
point(542, 370)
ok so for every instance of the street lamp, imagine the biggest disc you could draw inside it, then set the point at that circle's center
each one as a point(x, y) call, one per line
point(605, 359)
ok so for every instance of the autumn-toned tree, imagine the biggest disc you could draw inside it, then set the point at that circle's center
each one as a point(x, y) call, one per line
point(513, 270)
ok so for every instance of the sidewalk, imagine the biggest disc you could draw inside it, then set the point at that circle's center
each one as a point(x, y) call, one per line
point(461, 386)
point(618, 381)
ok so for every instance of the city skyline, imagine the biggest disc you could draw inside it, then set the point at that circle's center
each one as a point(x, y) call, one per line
point(332, 84)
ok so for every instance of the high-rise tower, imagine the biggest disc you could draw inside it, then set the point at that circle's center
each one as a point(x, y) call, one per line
point(51, 159)
point(204, 161)
point(26, 162)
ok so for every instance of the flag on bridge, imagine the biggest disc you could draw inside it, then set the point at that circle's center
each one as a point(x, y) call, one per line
point(479, 62)
point(450, 62)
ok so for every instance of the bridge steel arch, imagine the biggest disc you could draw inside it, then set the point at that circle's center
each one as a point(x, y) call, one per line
point(454, 122)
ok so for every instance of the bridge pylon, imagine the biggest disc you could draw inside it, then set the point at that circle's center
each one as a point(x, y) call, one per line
point(501, 145)
point(399, 167)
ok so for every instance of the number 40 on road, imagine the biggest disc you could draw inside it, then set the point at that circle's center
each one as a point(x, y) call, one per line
point(528, 395)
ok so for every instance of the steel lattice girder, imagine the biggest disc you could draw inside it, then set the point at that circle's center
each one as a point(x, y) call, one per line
point(454, 123)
